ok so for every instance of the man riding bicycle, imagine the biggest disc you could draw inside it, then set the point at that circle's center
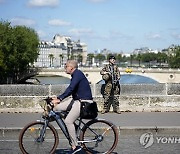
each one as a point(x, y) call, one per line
point(80, 90)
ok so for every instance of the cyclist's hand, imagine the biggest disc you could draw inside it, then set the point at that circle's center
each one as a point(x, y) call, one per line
point(53, 97)
point(55, 101)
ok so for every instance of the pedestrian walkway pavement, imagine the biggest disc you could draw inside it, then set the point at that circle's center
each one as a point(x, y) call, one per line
point(133, 126)
point(126, 120)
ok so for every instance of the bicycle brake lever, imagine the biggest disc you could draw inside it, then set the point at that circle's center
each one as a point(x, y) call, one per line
point(51, 104)
point(48, 100)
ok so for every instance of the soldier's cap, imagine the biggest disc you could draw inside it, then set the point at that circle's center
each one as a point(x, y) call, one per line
point(112, 57)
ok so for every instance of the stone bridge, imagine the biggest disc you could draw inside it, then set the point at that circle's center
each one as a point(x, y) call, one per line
point(93, 74)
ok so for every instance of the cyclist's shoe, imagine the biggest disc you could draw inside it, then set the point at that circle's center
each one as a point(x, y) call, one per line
point(77, 150)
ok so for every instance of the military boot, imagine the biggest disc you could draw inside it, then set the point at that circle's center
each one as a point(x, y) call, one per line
point(117, 111)
point(104, 111)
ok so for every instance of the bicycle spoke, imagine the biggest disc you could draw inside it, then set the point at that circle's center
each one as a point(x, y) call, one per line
point(30, 141)
point(104, 142)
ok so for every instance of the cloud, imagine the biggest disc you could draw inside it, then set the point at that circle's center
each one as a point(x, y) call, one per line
point(112, 35)
point(176, 36)
point(43, 3)
point(41, 33)
point(22, 21)
point(81, 32)
point(58, 22)
point(153, 36)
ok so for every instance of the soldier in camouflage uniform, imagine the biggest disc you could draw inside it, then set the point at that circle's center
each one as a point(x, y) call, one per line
point(111, 75)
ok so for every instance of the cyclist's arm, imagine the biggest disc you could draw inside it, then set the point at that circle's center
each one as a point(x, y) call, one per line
point(74, 82)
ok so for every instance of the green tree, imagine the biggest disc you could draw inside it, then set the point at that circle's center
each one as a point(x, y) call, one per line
point(100, 58)
point(138, 58)
point(90, 57)
point(148, 58)
point(108, 55)
point(174, 58)
point(18, 51)
point(161, 58)
point(5, 39)
point(132, 58)
point(119, 58)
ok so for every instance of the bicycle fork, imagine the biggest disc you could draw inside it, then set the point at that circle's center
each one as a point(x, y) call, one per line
point(42, 132)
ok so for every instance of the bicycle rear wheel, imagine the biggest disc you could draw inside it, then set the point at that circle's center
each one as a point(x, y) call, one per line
point(100, 136)
point(29, 139)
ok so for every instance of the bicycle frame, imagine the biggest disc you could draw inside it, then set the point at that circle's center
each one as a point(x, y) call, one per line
point(57, 116)
point(79, 124)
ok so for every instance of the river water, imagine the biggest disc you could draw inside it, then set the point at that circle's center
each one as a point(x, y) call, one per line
point(125, 79)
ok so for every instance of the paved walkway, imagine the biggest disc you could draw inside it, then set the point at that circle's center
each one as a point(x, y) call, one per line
point(126, 120)
point(132, 125)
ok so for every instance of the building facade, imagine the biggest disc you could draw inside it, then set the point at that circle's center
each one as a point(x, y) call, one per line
point(59, 50)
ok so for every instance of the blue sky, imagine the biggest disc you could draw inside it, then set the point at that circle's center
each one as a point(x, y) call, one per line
point(117, 25)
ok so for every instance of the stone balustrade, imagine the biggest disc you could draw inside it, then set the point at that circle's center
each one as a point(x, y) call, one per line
point(133, 98)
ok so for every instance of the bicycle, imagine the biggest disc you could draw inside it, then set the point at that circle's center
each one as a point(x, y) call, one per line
point(95, 136)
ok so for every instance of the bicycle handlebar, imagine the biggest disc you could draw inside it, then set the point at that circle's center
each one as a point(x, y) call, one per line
point(48, 101)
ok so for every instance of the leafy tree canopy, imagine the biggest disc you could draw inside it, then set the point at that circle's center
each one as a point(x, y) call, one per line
point(174, 58)
point(18, 50)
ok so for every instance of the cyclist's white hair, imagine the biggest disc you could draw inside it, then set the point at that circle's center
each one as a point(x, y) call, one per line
point(73, 63)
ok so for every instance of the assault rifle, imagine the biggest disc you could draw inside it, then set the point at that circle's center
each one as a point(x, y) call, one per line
point(114, 78)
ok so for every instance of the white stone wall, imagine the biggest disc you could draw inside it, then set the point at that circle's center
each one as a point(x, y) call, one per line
point(133, 98)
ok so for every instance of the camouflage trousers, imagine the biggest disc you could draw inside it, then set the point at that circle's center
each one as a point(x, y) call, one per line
point(111, 97)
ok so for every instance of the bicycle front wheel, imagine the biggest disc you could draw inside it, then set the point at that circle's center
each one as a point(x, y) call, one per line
point(99, 136)
point(30, 141)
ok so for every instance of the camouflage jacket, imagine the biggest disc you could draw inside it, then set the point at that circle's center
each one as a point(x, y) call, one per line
point(109, 87)
point(112, 70)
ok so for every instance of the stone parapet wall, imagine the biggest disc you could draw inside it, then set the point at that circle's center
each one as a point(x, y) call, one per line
point(133, 98)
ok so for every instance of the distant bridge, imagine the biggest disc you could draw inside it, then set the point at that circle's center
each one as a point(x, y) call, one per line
point(93, 74)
